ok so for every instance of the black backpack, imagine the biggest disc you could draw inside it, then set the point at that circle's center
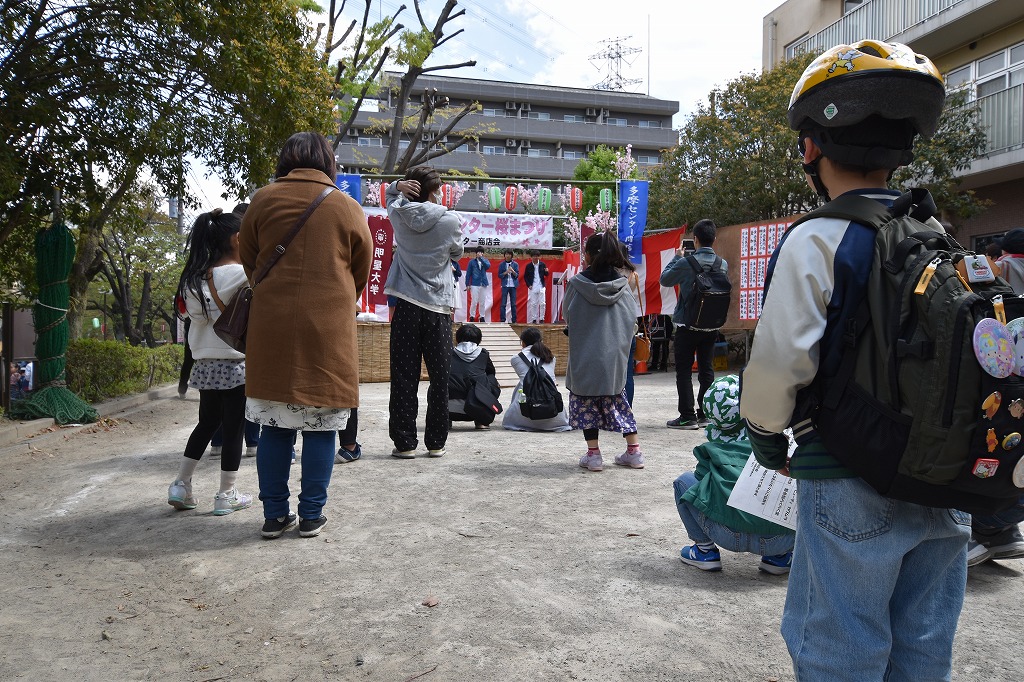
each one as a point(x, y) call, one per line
point(541, 398)
point(482, 403)
point(910, 409)
point(706, 305)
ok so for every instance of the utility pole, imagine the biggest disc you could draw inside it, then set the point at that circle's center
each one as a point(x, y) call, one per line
point(614, 54)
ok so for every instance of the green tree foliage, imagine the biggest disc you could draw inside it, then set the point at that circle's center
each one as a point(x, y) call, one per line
point(599, 165)
point(96, 95)
point(737, 161)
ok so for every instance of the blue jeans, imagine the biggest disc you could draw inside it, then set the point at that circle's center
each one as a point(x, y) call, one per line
point(508, 293)
point(876, 587)
point(274, 462)
point(1001, 520)
point(702, 529)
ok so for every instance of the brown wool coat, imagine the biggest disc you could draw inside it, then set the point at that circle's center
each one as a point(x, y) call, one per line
point(301, 343)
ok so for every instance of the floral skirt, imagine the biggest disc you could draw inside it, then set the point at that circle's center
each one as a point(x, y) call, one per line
point(604, 412)
point(299, 417)
point(217, 375)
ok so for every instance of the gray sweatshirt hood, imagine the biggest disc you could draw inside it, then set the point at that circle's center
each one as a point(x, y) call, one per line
point(601, 293)
point(416, 216)
point(468, 351)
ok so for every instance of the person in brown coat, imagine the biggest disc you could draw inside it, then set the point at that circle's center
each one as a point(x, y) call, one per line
point(301, 357)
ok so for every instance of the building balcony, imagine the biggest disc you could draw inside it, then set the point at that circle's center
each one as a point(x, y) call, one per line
point(1001, 116)
point(931, 27)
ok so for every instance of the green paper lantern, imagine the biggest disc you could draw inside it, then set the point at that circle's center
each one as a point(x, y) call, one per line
point(494, 198)
point(606, 200)
point(544, 200)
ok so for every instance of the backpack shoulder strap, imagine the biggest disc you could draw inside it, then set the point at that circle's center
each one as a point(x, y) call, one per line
point(694, 263)
point(213, 290)
point(853, 207)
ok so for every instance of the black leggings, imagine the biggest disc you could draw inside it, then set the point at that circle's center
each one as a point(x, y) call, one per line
point(592, 434)
point(348, 435)
point(220, 409)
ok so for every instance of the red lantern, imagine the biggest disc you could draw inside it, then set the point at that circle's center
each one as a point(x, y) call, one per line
point(448, 196)
point(575, 199)
point(511, 196)
point(382, 195)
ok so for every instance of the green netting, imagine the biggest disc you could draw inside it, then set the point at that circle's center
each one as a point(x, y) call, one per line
point(55, 253)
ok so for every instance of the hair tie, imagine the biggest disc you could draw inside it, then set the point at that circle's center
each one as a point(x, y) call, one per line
point(216, 212)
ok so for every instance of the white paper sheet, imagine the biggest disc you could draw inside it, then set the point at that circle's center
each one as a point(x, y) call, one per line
point(765, 493)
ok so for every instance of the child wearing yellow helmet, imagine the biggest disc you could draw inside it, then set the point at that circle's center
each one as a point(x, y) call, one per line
point(876, 584)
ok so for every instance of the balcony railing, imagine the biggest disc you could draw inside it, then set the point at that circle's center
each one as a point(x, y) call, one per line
point(878, 19)
point(1002, 119)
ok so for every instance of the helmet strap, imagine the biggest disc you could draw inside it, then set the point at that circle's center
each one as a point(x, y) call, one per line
point(811, 169)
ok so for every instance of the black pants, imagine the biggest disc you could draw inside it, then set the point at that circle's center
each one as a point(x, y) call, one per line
point(186, 363)
point(347, 436)
point(417, 333)
point(688, 342)
point(220, 410)
point(659, 354)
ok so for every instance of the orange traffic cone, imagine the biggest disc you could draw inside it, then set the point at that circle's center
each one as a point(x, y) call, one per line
point(640, 368)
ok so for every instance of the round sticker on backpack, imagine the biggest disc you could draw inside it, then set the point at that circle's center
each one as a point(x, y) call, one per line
point(1016, 329)
point(994, 348)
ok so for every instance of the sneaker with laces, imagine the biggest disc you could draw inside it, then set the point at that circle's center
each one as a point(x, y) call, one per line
point(437, 453)
point(275, 528)
point(776, 565)
point(310, 528)
point(705, 561)
point(344, 455)
point(1007, 543)
point(215, 450)
point(702, 422)
point(680, 423)
point(592, 461)
point(403, 454)
point(633, 460)
point(179, 496)
point(231, 501)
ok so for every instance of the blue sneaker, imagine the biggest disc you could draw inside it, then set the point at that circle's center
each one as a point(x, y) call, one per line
point(705, 561)
point(776, 565)
point(345, 456)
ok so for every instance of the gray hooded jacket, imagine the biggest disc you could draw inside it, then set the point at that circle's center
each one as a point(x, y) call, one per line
point(428, 238)
point(601, 317)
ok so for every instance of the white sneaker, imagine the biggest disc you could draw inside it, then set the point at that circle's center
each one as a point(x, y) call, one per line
point(250, 450)
point(215, 450)
point(179, 495)
point(436, 453)
point(231, 501)
point(592, 461)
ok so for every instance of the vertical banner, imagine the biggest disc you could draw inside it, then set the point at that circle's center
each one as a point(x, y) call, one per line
point(351, 185)
point(383, 239)
point(632, 216)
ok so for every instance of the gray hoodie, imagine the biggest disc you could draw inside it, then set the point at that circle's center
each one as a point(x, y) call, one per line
point(428, 238)
point(601, 317)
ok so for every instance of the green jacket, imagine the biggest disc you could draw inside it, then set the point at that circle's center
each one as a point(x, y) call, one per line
point(718, 467)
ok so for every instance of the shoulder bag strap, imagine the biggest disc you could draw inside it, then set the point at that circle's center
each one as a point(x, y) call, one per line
point(213, 290)
point(280, 248)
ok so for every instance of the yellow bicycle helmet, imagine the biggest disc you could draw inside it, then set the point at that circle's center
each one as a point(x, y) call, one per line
point(850, 83)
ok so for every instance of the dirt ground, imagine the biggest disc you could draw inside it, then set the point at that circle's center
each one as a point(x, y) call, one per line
point(541, 570)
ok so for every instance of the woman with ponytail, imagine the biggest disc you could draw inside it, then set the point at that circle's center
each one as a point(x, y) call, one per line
point(601, 315)
point(210, 279)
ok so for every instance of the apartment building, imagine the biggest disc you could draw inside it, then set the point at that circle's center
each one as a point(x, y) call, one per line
point(533, 131)
point(977, 44)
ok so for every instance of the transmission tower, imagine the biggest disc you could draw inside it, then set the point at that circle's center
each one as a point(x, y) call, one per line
point(613, 54)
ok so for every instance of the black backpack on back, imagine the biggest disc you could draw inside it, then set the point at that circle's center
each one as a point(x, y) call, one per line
point(910, 409)
point(541, 398)
point(706, 305)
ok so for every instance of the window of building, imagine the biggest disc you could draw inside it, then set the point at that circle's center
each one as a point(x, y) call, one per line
point(494, 151)
point(650, 124)
point(403, 144)
point(539, 116)
point(371, 142)
point(462, 148)
point(956, 79)
point(370, 105)
point(572, 155)
point(992, 86)
point(572, 118)
point(494, 112)
point(990, 65)
point(621, 122)
point(538, 153)
point(991, 74)
point(649, 160)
